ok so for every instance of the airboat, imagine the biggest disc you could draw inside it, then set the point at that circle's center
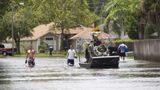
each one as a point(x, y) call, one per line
point(99, 60)
point(102, 62)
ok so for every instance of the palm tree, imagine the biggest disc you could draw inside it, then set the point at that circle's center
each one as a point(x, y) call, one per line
point(149, 18)
point(119, 11)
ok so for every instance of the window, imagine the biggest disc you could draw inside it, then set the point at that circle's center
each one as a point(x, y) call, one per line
point(49, 38)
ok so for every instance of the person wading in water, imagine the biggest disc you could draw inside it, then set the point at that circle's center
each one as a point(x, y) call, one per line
point(30, 57)
point(122, 49)
point(71, 54)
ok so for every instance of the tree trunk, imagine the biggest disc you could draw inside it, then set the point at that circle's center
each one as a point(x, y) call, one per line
point(141, 32)
point(141, 28)
point(62, 38)
point(17, 42)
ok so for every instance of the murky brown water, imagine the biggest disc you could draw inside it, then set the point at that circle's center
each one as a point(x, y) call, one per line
point(53, 74)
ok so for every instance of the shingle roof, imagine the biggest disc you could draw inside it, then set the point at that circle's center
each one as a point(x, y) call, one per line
point(44, 29)
point(86, 34)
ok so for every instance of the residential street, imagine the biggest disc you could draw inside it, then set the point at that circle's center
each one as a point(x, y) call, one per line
point(53, 74)
point(52, 31)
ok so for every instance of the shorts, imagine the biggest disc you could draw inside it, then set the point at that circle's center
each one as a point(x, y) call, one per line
point(70, 62)
point(122, 54)
point(31, 63)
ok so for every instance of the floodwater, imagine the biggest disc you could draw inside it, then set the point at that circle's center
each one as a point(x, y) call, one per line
point(53, 74)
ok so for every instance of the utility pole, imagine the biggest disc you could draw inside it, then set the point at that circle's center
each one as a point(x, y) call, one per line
point(12, 28)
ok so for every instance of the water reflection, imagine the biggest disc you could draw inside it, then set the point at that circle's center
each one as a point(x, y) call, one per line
point(54, 74)
point(3, 74)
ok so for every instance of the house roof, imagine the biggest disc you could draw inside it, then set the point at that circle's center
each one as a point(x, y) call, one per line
point(86, 34)
point(44, 29)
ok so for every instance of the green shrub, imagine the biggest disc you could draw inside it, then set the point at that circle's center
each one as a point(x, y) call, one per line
point(43, 47)
point(123, 41)
point(129, 43)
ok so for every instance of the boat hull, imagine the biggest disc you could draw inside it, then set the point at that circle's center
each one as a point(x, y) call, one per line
point(102, 62)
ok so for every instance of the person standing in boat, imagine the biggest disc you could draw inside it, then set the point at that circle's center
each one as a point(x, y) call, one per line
point(71, 54)
point(122, 49)
point(92, 49)
point(112, 49)
point(90, 52)
point(87, 54)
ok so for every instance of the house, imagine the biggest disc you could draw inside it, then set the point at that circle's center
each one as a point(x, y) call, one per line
point(47, 35)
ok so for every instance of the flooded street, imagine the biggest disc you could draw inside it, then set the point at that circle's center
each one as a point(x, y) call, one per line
point(53, 74)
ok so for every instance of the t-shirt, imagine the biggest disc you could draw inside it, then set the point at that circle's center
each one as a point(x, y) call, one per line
point(71, 53)
point(123, 48)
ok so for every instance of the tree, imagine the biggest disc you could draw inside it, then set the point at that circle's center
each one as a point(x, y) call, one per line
point(97, 6)
point(119, 13)
point(4, 7)
point(66, 14)
point(141, 17)
point(23, 20)
point(149, 18)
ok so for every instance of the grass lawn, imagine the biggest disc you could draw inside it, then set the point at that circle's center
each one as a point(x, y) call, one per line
point(55, 54)
point(42, 55)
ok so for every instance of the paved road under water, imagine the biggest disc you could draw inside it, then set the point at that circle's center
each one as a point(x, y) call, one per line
point(53, 74)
